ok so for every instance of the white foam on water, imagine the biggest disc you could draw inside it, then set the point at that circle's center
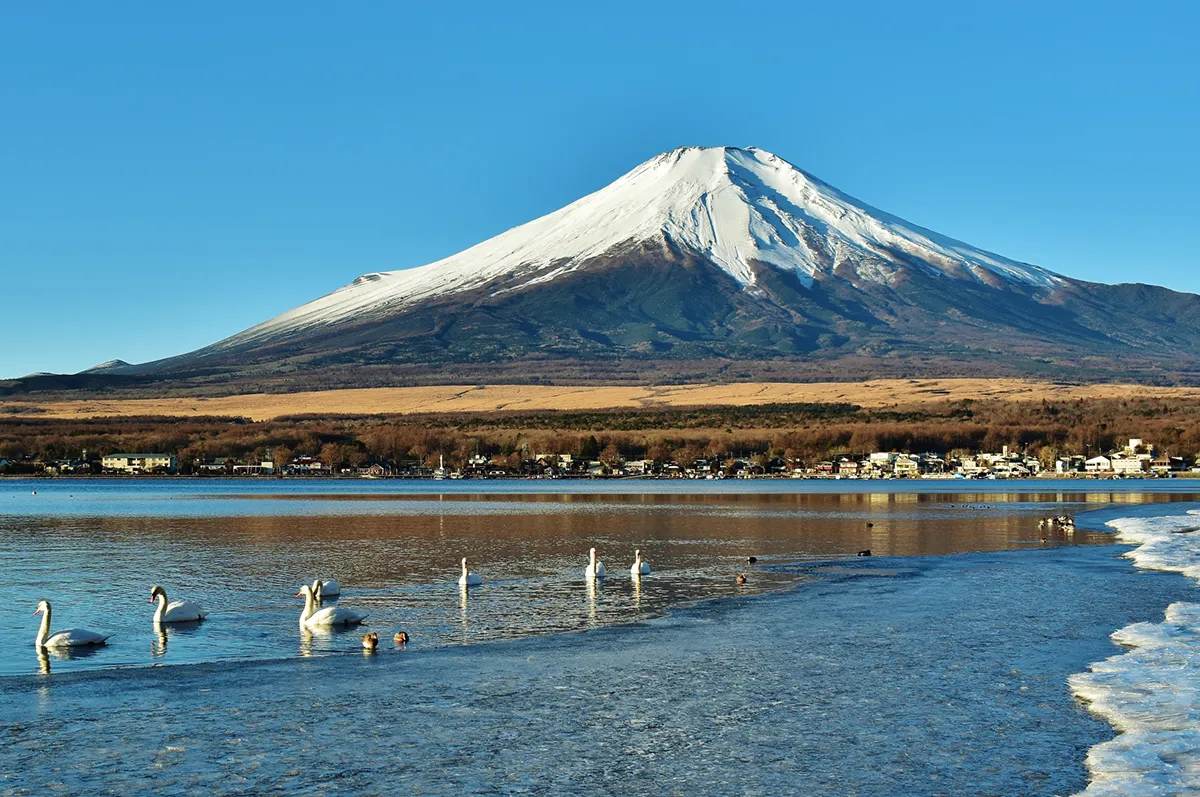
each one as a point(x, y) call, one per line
point(1151, 693)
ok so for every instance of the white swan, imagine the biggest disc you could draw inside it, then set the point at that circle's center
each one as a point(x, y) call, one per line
point(332, 615)
point(177, 612)
point(639, 568)
point(326, 589)
point(468, 579)
point(595, 569)
point(71, 638)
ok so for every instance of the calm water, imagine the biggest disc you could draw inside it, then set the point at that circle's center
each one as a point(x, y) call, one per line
point(938, 666)
point(241, 549)
point(926, 675)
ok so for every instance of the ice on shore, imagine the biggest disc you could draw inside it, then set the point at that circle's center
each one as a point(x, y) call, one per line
point(1151, 693)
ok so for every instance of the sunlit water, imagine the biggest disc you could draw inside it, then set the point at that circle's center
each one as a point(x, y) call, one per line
point(902, 673)
point(94, 548)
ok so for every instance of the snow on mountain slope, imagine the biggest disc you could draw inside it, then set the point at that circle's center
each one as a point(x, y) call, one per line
point(730, 205)
point(107, 365)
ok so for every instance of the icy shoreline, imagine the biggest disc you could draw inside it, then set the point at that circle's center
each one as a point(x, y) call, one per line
point(1151, 693)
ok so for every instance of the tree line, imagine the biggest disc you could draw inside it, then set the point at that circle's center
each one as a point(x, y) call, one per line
point(805, 433)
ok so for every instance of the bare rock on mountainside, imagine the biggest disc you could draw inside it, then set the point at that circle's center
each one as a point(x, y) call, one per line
point(707, 264)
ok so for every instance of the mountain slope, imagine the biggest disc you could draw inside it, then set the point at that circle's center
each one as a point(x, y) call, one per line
point(712, 256)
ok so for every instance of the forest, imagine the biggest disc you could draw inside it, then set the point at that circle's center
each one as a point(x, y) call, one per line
point(801, 433)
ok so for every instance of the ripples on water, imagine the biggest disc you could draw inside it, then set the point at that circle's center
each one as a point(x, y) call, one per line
point(95, 548)
point(925, 675)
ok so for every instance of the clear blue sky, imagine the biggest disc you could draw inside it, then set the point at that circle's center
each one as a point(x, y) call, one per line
point(171, 173)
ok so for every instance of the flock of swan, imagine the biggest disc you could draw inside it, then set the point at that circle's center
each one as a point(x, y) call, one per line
point(313, 616)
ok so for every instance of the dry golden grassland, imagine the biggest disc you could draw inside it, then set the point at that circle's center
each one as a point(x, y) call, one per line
point(490, 398)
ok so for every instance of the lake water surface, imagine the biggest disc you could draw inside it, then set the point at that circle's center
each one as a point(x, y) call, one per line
point(939, 665)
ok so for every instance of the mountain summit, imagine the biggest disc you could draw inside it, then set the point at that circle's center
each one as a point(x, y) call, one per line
point(700, 258)
point(738, 208)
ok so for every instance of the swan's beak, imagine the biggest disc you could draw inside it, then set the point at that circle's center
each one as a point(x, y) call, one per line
point(298, 595)
point(38, 610)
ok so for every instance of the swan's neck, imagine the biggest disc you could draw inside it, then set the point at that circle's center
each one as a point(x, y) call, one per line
point(464, 568)
point(162, 606)
point(308, 607)
point(44, 631)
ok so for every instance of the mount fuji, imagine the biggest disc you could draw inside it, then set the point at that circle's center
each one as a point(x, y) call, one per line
point(710, 263)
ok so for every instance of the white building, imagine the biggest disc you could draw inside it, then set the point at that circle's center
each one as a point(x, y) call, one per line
point(1127, 465)
point(264, 468)
point(140, 463)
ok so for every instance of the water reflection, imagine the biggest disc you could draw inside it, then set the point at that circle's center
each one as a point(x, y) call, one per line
point(463, 597)
point(75, 653)
point(164, 632)
point(306, 641)
point(393, 564)
point(158, 645)
point(593, 589)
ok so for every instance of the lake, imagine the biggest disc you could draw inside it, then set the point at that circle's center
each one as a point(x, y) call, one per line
point(819, 644)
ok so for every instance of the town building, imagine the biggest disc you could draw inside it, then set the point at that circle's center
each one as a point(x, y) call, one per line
point(139, 463)
point(263, 468)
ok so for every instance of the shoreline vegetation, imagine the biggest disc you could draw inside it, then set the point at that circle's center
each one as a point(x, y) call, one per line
point(771, 439)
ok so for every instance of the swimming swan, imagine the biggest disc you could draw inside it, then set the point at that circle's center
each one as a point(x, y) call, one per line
point(329, 616)
point(468, 579)
point(639, 568)
point(594, 570)
point(71, 638)
point(326, 589)
point(177, 612)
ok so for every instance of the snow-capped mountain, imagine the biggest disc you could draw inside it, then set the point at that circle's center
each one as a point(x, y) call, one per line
point(107, 366)
point(736, 207)
point(696, 259)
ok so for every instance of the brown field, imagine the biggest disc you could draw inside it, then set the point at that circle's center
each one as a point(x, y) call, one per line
point(491, 398)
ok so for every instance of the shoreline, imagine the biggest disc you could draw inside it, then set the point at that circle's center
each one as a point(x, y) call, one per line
point(1146, 690)
point(1089, 477)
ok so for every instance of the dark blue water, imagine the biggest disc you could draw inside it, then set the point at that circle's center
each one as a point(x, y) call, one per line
point(911, 675)
point(904, 673)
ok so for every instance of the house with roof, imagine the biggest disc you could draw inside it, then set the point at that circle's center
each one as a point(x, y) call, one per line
point(264, 468)
point(139, 463)
point(1126, 464)
point(217, 465)
point(848, 467)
